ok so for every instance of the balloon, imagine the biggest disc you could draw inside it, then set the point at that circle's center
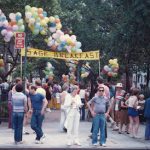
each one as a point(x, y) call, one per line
point(43, 23)
point(20, 22)
point(6, 39)
point(28, 15)
point(36, 31)
point(40, 10)
point(18, 16)
point(44, 13)
point(52, 19)
point(15, 28)
point(21, 28)
point(27, 8)
point(62, 38)
point(59, 26)
point(5, 23)
point(37, 25)
point(4, 32)
point(78, 44)
point(73, 37)
point(43, 32)
point(9, 34)
point(57, 20)
point(35, 14)
point(52, 29)
point(31, 20)
point(106, 68)
point(79, 51)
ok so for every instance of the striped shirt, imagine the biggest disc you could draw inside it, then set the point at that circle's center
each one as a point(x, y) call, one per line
point(18, 102)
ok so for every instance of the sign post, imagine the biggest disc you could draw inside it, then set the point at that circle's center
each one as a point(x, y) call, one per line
point(19, 44)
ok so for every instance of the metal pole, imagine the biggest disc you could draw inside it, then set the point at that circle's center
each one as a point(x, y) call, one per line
point(25, 60)
point(99, 67)
point(21, 67)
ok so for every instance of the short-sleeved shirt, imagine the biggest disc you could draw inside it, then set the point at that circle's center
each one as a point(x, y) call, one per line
point(101, 103)
point(18, 102)
point(37, 101)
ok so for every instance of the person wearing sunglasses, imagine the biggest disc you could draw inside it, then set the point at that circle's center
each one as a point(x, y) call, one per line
point(100, 103)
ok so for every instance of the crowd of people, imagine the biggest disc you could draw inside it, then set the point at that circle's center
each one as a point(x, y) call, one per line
point(110, 103)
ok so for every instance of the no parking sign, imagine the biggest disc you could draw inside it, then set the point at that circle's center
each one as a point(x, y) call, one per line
point(19, 40)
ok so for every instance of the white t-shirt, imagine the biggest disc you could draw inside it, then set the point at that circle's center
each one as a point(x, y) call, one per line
point(82, 93)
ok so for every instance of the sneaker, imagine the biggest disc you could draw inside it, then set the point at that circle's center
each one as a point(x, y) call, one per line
point(26, 132)
point(131, 135)
point(120, 132)
point(115, 128)
point(77, 143)
point(38, 142)
point(48, 110)
point(137, 137)
point(104, 145)
point(69, 143)
point(95, 144)
point(90, 136)
point(42, 139)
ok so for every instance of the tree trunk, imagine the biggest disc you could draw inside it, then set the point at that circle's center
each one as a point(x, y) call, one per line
point(127, 76)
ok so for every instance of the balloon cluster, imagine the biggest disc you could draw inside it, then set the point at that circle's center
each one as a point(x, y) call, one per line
point(64, 42)
point(85, 70)
point(72, 68)
point(49, 71)
point(112, 69)
point(39, 22)
point(8, 28)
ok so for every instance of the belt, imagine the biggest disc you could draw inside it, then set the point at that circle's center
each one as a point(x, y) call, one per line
point(100, 113)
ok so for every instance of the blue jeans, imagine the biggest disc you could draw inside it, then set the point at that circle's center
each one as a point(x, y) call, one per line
point(18, 125)
point(147, 129)
point(82, 110)
point(99, 122)
point(36, 123)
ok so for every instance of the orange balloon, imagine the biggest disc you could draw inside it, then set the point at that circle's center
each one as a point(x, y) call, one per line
point(57, 20)
point(53, 47)
point(13, 23)
point(40, 10)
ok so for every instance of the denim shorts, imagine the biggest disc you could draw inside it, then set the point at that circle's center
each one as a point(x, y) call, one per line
point(133, 112)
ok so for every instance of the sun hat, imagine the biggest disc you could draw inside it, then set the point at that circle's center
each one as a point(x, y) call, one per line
point(119, 85)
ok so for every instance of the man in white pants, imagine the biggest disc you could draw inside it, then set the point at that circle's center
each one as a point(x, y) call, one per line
point(73, 103)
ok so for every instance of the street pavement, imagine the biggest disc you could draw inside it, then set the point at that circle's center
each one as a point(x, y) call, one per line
point(56, 139)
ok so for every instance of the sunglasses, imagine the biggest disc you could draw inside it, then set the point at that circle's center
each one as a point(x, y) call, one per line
point(101, 90)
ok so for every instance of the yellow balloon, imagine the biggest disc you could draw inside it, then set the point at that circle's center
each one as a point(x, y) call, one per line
point(58, 26)
point(43, 32)
point(43, 23)
point(46, 19)
point(51, 19)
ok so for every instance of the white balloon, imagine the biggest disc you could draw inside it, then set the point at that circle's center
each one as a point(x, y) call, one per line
point(6, 39)
point(5, 23)
point(4, 32)
point(62, 38)
point(28, 15)
point(52, 29)
point(79, 51)
point(9, 34)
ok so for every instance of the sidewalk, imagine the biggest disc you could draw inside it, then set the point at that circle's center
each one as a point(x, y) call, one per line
point(56, 139)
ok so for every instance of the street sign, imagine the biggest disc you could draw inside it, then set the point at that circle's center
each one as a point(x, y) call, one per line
point(19, 40)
